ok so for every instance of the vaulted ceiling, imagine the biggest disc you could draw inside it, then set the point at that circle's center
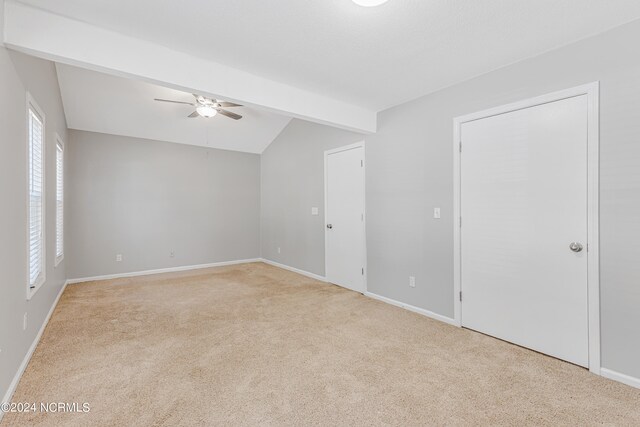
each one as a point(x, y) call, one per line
point(373, 57)
point(328, 61)
point(99, 102)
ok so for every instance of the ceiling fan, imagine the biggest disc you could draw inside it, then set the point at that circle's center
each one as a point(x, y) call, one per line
point(208, 107)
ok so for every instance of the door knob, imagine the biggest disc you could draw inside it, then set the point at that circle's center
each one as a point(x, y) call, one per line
point(576, 247)
point(329, 226)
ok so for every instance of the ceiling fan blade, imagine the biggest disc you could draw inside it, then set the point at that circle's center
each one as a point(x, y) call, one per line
point(174, 102)
point(228, 104)
point(229, 114)
point(194, 114)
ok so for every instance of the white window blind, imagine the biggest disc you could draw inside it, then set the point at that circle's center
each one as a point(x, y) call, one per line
point(59, 201)
point(36, 199)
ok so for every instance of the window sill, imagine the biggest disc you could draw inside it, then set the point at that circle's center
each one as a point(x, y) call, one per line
point(32, 291)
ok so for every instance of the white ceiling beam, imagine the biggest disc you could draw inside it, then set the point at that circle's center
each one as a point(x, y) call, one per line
point(57, 38)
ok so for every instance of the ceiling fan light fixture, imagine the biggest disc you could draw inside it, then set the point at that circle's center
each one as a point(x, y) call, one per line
point(206, 111)
point(369, 3)
point(207, 107)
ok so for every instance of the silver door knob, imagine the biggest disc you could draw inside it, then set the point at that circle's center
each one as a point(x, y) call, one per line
point(329, 226)
point(576, 247)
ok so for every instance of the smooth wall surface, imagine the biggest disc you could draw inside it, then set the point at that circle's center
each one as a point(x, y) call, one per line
point(145, 199)
point(409, 172)
point(19, 74)
point(293, 183)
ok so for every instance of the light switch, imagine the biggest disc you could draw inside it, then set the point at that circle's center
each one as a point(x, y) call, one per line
point(436, 213)
point(314, 211)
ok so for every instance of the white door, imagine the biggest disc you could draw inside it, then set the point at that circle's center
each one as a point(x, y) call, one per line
point(345, 239)
point(524, 220)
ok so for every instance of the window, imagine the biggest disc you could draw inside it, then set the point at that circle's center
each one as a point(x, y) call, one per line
point(59, 200)
point(35, 134)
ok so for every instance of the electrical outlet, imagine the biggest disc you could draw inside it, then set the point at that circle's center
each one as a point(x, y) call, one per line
point(436, 213)
point(279, 249)
point(24, 322)
point(314, 211)
point(118, 257)
point(171, 254)
point(412, 281)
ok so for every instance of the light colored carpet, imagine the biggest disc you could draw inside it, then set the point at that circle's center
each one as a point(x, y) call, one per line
point(253, 344)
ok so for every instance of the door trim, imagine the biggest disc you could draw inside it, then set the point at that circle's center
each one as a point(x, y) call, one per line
point(592, 91)
point(364, 208)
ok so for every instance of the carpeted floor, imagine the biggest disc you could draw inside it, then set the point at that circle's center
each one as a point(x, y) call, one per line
point(253, 344)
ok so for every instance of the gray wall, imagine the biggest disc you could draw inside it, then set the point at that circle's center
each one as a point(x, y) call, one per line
point(293, 183)
point(19, 73)
point(409, 172)
point(144, 199)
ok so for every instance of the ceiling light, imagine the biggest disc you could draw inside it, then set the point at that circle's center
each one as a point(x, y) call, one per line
point(369, 3)
point(206, 111)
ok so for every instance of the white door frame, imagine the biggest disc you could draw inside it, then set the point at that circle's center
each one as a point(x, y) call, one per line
point(592, 91)
point(364, 208)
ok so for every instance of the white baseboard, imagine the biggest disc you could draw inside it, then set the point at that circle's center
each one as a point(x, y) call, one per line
point(418, 310)
point(623, 378)
point(295, 270)
point(162, 270)
point(16, 379)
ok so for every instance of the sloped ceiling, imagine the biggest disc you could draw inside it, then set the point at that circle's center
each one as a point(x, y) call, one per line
point(371, 57)
point(99, 102)
point(328, 61)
